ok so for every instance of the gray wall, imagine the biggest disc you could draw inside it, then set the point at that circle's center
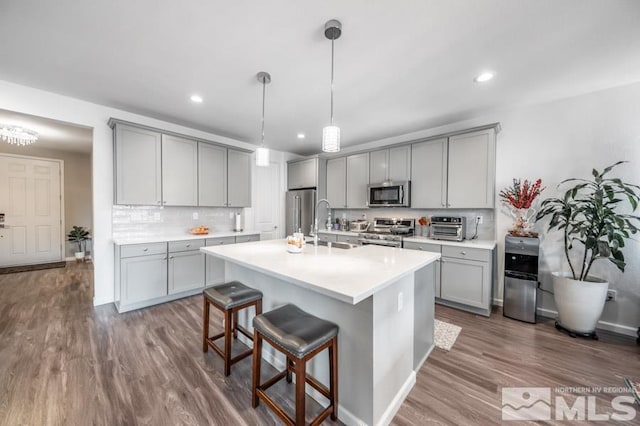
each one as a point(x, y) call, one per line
point(77, 184)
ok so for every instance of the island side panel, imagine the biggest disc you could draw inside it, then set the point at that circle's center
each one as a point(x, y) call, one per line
point(424, 314)
point(393, 377)
point(355, 339)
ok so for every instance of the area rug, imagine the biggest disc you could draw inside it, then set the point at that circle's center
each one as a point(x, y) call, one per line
point(27, 268)
point(445, 334)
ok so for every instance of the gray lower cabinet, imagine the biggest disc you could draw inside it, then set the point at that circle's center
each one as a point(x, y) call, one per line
point(351, 239)
point(152, 273)
point(464, 276)
point(142, 278)
point(247, 238)
point(186, 266)
point(186, 271)
point(467, 282)
point(323, 236)
point(432, 248)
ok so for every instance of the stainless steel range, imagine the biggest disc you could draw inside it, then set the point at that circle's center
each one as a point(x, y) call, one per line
point(388, 232)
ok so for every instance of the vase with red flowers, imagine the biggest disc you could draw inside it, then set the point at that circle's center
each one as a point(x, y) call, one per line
point(519, 198)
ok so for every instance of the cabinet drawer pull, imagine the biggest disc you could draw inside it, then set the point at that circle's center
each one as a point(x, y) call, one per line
point(170, 257)
point(420, 248)
point(464, 253)
point(442, 261)
point(164, 258)
point(145, 249)
point(188, 245)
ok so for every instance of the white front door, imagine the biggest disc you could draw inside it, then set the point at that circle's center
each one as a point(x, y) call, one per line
point(30, 199)
point(267, 201)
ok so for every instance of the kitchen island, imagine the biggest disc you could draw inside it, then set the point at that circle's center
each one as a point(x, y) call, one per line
point(382, 298)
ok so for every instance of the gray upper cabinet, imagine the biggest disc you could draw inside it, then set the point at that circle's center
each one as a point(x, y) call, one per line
point(472, 169)
point(393, 164)
point(302, 174)
point(429, 174)
point(337, 182)
point(138, 166)
point(238, 178)
point(357, 180)
point(212, 175)
point(179, 171)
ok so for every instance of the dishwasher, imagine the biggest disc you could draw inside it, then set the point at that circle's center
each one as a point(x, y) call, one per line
point(521, 277)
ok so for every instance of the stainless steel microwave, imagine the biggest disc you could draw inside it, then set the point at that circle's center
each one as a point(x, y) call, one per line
point(389, 194)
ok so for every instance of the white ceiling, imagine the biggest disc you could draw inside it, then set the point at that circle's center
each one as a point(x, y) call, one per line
point(52, 134)
point(401, 66)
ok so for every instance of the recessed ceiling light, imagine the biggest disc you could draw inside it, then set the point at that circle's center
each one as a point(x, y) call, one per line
point(485, 76)
point(196, 98)
point(300, 135)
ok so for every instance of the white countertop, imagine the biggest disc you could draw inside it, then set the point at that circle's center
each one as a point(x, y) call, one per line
point(160, 238)
point(479, 244)
point(349, 275)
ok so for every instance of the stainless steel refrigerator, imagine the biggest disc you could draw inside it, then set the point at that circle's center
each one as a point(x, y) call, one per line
point(300, 210)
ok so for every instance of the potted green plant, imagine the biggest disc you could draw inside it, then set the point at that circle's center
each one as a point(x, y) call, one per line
point(78, 235)
point(591, 217)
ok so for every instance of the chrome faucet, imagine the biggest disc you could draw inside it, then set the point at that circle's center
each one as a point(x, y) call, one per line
point(315, 222)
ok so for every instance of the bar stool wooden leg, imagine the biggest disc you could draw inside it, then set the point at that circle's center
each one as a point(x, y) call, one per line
point(205, 325)
point(289, 368)
point(301, 380)
point(257, 361)
point(227, 342)
point(333, 377)
point(235, 324)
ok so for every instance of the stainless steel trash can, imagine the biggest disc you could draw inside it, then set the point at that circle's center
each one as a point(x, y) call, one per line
point(520, 278)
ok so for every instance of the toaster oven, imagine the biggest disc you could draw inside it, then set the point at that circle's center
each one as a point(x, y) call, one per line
point(451, 228)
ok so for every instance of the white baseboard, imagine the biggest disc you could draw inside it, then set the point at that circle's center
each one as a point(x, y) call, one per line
point(72, 258)
point(498, 302)
point(98, 302)
point(602, 325)
point(424, 358)
point(397, 401)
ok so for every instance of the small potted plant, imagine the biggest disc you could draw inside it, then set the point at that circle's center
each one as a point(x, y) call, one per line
point(591, 217)
point(78, 235)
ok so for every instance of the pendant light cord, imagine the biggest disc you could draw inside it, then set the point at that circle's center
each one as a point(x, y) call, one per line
point(332, 40)
point(264, 85)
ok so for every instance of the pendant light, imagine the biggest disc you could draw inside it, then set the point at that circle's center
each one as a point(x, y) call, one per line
point(331, 133)
point(262, 153)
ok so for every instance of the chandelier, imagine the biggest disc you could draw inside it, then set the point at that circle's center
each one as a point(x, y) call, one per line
point(17, 135)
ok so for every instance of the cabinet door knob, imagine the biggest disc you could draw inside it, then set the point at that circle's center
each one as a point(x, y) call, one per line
point(159, 202)
point(442, 260)
point(145, 249)
point(188, 245)
point(164, 258)
point(170, 257)
point(444, 205)
point(464, 253)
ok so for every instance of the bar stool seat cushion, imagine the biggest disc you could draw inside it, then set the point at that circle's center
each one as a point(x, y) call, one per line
point(294, 329)
point(232, 294)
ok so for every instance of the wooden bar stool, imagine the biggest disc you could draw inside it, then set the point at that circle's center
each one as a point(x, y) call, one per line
point(300, 336)
point(230, 298)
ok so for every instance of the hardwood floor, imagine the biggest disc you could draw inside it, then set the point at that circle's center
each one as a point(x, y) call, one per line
point(464, 386)
point(64, 362)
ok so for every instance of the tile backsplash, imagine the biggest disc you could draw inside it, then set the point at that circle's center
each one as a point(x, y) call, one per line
point(141, 221)
point(486, 231)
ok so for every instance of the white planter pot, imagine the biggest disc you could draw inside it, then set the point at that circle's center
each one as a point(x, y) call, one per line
point(579, 303)
point(79, 255)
